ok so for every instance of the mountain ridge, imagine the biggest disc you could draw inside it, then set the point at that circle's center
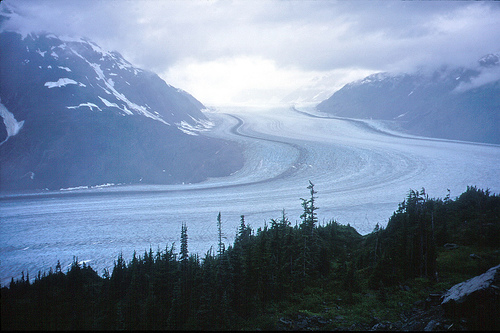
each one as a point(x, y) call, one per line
point(75, 114)
point(451, 103)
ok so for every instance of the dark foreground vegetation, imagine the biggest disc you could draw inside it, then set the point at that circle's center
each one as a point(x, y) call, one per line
point(306, 276)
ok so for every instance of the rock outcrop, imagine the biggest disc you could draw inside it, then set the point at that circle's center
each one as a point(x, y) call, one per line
point(477, 300)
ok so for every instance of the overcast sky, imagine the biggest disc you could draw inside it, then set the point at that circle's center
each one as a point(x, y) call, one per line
point(230, 52)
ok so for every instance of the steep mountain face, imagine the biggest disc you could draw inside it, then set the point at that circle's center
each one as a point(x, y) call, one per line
point(459, 103)
point(74, 114)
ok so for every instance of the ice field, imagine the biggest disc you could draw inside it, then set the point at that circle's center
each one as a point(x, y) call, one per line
point(360, 172)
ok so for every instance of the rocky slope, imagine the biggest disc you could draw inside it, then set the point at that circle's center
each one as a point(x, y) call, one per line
point(75, 114)
point(452, 103)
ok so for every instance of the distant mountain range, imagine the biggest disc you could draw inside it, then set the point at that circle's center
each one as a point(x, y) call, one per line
point(77, 115)
point(451, 103)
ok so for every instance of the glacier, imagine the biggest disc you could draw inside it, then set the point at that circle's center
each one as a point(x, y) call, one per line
point(361, 173)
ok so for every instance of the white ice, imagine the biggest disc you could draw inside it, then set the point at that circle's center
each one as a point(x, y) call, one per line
point(361, 173)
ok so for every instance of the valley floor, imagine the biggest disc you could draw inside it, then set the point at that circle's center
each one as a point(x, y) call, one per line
point(360, 173)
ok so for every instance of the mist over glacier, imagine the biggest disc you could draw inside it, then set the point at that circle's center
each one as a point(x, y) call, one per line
point(361, 173)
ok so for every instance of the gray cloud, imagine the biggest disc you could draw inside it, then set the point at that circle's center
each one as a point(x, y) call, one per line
point(311, 36)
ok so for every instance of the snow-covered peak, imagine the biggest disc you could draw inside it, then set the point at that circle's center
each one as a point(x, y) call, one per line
point(84, 76)
point(490, 60)
point(100, 119)
point(375, 78)
point(449, 102)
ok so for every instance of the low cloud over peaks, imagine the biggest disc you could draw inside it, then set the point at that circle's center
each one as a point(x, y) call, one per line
point(303, 38)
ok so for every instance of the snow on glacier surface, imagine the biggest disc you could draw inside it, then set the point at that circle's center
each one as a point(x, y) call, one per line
point(360, 173)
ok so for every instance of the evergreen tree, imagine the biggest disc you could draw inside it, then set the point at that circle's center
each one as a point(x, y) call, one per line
point(409, 239)
point(307, 227)
point(219, 233)
point(309, 215)
point(279, 265)
point(376, 251)
point(244, 232)
point(184, 254)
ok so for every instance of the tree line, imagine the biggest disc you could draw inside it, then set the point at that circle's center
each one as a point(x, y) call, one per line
point(275, 264)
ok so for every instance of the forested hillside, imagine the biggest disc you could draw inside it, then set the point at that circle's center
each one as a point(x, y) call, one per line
point(280, 276)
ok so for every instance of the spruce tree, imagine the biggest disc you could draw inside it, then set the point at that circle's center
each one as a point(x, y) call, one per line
point(219, 231)
point(309, 219)
point(184, 255)
point(244, 232)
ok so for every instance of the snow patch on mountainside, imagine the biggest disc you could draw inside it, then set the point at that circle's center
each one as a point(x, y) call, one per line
point(60, 83)
point(106, 65)
point(111, 105)
point(89, 105)
point(199, 126)
point(41, 53)
point(109, 83)
point(79, 101)
point(11, 124)
point(373, 79)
